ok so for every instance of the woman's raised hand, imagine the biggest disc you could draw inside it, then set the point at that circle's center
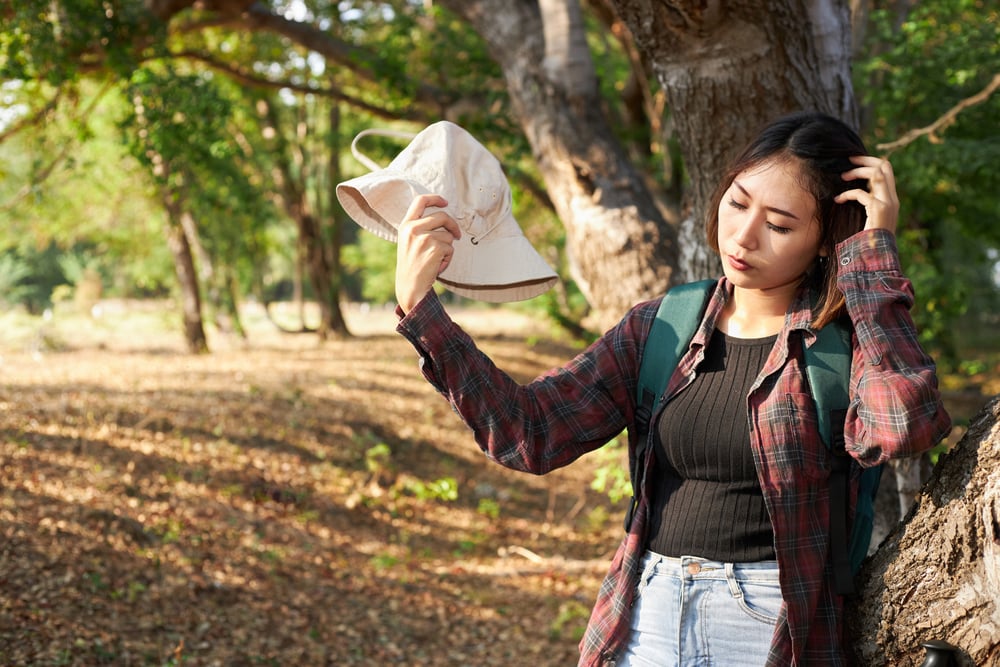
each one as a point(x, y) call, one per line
point(424, 248)
point(880, 200)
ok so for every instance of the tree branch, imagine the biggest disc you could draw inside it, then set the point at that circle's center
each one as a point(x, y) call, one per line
point(944, 121)
point(260, 16)
point(36, 118)
point(42, 174)
point(242, 76)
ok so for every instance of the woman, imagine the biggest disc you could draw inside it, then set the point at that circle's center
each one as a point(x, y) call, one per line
point(737, 504)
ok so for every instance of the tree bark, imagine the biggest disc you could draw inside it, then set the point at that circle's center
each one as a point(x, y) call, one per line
point(937, 575)
point(728, 68)
point(620, 247)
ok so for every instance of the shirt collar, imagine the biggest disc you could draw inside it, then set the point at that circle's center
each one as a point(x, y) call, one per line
point(798, 317)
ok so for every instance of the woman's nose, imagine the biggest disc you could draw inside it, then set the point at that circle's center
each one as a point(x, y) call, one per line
point(745, 233)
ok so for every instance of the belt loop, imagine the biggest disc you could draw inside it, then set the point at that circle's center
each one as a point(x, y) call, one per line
point(734, 587)
point(652, 560)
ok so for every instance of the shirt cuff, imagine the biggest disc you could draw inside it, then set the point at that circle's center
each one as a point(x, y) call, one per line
point(425, 322)
point(869, 250)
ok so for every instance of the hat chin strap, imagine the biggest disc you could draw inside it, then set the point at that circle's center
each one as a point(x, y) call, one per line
point(477, 222)
point(364, 159)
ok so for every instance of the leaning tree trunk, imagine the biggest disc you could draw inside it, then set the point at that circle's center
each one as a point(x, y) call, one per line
point(937, 575)
point(187, 279)
point(726, 69)
point(621, 249)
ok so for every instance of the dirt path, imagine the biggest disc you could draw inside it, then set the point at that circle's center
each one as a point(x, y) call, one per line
point(275, 503)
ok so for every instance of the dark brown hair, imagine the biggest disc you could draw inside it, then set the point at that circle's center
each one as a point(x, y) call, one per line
point(822, 147)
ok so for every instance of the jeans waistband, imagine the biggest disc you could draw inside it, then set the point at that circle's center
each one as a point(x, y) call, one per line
point(697, 567)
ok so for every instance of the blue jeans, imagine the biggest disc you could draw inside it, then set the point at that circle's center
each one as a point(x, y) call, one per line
point(694, 612)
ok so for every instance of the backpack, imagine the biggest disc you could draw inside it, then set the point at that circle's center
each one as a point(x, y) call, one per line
point(828, 371)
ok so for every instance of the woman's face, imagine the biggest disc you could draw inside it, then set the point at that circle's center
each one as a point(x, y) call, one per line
point(768, 231)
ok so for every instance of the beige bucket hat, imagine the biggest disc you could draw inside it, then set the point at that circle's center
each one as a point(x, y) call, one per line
point(493, 261)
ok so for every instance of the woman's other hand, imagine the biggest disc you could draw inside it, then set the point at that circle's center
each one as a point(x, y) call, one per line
point(424, 249)
point(880, 200)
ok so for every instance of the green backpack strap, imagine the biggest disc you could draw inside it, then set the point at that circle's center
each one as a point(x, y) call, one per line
point(828, 370)
point(676, 322)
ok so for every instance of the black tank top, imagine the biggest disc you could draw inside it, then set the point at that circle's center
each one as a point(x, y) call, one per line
point(707, 500)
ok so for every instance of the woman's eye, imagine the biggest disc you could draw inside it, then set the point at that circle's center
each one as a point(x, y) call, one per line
point(738, 206)
point(778, 229)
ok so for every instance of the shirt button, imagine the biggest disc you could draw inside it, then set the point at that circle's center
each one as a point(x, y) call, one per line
point(844, 261)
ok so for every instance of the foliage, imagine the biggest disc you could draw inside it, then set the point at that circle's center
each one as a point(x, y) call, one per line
point(204, 140)
point(74, 191)
point(571, 621)
point(612, 475)
point(31, 276)
point(377, 458)
point(13, 272)
point(939, 55)
point(445, 489)
point(489, 508)
point(370, 265)
point(49, 44)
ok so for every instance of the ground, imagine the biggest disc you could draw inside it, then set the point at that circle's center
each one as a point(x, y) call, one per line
point(276, 502)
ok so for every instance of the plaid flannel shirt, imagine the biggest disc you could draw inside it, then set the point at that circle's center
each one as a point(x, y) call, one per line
point(895, 411)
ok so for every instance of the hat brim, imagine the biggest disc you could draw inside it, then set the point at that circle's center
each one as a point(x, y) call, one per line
point(497, 270)
point(378, 201)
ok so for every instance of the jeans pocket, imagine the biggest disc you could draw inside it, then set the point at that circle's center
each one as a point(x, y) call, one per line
point(759, 599)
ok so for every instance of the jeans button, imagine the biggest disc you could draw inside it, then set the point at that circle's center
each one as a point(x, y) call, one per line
point(694, 568)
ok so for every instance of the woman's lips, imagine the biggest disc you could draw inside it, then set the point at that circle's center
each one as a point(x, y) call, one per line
point(737, 263)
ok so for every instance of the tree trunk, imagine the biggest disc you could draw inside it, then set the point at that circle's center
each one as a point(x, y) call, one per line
point(187, 280)
point(729, 68)
point(316, 251)
point(219, 292)
point(321, 276)
point(937, 575)
point(230, 302)
point(621, 248)
point(337, 219)
point(298, 285)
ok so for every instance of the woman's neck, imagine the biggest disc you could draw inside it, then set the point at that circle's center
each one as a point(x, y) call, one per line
point(755, 313)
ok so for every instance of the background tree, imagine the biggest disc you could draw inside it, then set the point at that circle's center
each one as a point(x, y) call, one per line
point(746, 65)
point(936, 61)
point(302, 178)
point(179, 130)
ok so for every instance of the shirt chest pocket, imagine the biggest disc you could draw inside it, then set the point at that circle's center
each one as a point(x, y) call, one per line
point(792, 446)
